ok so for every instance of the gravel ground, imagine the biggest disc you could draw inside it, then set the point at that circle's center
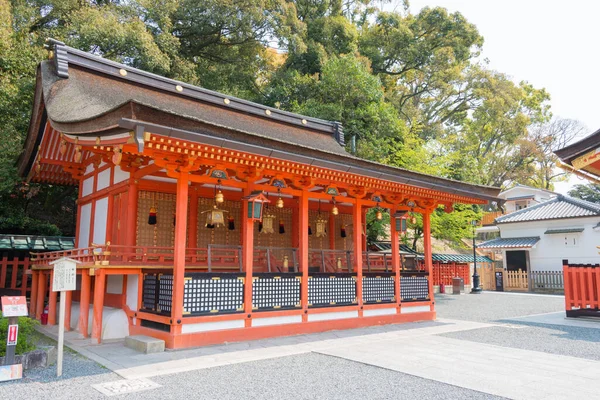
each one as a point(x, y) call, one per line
point(553, 339)
point(307, 376)
point(491, 306)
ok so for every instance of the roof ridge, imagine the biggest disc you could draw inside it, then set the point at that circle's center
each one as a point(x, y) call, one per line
point(582, 203)
point(527, 209)
point(114, 69)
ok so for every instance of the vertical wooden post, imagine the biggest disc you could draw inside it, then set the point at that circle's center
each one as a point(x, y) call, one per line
point(3, 270)
point(395, 237)
point(41, 295)
point(52, 296)
point(132, 211)
point(84, 303)
point(67, 297)
point(24, 276)
point(247, 255)
point(427, 253)
point(193, 218)
point(303, 250)
point(332, 233)
point(357, 235)
point(99, 288)
point(181, 210)
point(33, 295)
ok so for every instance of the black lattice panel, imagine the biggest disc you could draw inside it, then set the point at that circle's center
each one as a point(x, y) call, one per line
point(210, 293)
point(331, 290)
point(275, 291)
point(414, 288)
point(149, 293)
point(378, 289)
point(165, 293)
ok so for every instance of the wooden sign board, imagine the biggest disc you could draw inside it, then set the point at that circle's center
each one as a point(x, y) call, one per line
point(65, 275)
point(14, 306)
point(11, 372)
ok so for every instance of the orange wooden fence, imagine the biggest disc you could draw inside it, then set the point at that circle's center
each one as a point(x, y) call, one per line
point(444, 272)
point(14, 274)
point(582, 289)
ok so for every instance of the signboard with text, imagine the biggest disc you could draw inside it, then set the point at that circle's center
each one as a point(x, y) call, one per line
point(65, 275)
point(13, 333)
point(14, 306)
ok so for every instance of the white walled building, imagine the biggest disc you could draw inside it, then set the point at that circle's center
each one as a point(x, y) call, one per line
point(539, 237)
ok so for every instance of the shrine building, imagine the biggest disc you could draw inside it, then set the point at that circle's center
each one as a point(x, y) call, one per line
point(203, 218)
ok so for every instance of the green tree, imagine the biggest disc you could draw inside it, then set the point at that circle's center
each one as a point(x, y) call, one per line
point(589, 192)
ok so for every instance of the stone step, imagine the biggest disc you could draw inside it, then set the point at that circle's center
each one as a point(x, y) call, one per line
point(145, 344)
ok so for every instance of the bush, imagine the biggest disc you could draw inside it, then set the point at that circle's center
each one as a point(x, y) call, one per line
point(26, 338)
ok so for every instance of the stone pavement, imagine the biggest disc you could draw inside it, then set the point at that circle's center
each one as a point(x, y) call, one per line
point(417, 349)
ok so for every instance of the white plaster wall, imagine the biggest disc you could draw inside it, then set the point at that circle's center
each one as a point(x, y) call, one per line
point(114, 284)
point(84, 226)
point(120, 175)
point(87, 187)
point(89, 169)
point(549, 252)
point(132, 291)
point(100, 221)
point(103, 179)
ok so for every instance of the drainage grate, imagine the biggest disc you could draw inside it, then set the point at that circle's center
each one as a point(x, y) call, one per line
point(125, 386)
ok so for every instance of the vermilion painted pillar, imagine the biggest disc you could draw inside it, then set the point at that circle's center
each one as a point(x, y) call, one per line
point(247, 255)
point(132, 206)
point(41, 295)
point(357, 236)
point(427, 253)
point(68, 301)
point(33, 294)
point(303, 250)
point(52, 302)
point(193, 218)
point(181, 211)
point(84, 303)
point(99, 288)
point(395, 237)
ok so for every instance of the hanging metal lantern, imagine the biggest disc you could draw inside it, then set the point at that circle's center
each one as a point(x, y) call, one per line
point(334, 210)
point(267, 224)
point(321, 227)
point(215, 217)
point(379, 215)
point(219, 198)
point(279, 203)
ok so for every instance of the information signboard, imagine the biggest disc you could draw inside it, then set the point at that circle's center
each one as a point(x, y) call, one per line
point(65, 275)
point(14, 306)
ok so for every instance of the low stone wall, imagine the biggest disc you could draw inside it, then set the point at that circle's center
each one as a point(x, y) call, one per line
point(42, 357)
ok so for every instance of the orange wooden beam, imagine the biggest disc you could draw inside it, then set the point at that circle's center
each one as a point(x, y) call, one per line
point(303, 250)
point(34, 293)
point(99, 288)
point(395, 238)
point(247, 255)
point(41, 296)
point(181, 211)
point(52, 302)
point(84, 303)
point(358, 250)
point(427, 253)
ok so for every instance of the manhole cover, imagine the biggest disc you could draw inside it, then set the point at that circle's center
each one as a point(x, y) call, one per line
point(125, 386)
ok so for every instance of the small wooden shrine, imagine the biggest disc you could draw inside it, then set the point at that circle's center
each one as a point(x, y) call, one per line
point(205, 218)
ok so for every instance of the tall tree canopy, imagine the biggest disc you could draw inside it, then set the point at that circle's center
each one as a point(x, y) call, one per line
point(408, 87)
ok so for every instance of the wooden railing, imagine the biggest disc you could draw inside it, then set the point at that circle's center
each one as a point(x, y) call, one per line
point(488, 218)
point(516, 280)
point(582, 289)
point(547, 280)
point(14, 275)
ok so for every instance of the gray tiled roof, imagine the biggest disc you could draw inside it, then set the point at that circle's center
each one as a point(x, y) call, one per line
point(459, 258)
point(564, 230)
point(510, 243)
point(36, 243)
point(557, 208)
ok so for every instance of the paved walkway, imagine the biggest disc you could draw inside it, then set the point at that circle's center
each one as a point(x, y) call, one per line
point(423, 350)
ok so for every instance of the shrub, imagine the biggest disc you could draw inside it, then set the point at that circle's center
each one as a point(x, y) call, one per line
point(26, 338)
